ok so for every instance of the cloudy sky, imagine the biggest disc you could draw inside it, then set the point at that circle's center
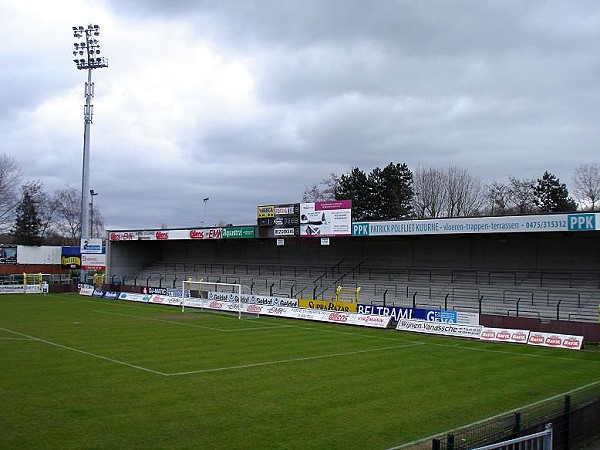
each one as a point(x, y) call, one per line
point(249, 102)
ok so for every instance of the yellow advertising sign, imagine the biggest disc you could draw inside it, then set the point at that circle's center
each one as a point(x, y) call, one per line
point(70, 261)
point(265, 212)
point(327, 305)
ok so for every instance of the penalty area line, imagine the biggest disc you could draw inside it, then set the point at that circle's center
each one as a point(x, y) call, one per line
point(83, 352)
point(291, 360)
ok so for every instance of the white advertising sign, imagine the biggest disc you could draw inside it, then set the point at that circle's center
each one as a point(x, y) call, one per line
point(441, 328)
point(504, 335)
point(555, 340)
point(325, 219)
point(91, 245)
point(499, 224)
point(93, 261)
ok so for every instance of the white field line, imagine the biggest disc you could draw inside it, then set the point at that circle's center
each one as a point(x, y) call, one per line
point(214, 369)
point(194, 325)
point(291, 360)
point(15, 339)
point(105, 358)
point(520, 408)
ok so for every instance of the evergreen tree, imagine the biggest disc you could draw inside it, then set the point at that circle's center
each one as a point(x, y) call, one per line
point(27, 229)
point(552, 196)
point(355, 186)
point(385, 194)
point(391, 192)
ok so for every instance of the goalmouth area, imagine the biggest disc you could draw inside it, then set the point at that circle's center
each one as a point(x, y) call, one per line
point(86, 372)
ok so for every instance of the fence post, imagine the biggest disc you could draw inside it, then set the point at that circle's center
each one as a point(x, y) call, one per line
point(435, 444)
point(480, 302)
point(415, 299)
point(384, 294)
point(567, 413)
point(558, 310)
point(517, 428)
point(518, 301)
point(450, 442)
point(446, 302)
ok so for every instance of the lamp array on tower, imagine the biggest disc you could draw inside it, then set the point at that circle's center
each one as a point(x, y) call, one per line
point(87, 53)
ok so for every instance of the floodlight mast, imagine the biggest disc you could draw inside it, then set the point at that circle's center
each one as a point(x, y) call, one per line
point(87, 56)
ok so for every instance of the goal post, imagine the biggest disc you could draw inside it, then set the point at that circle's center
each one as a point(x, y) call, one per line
point(204, 292)
point(33, 283)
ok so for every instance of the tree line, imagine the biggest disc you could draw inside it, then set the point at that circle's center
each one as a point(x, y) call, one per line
point(30, 216)
point(395, 193)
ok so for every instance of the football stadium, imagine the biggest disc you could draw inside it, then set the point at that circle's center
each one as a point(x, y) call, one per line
point(308, 330)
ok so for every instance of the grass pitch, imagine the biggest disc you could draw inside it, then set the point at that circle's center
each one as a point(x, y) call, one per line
point(79, 372)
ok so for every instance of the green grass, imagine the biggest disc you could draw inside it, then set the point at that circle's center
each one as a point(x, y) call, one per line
point(79, 372)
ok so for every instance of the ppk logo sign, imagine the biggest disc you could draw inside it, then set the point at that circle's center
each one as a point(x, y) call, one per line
point(581, 222)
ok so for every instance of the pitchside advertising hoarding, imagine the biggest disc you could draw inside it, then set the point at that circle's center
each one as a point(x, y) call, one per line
point(430, 315)
point(465, 225)
point(289, 308)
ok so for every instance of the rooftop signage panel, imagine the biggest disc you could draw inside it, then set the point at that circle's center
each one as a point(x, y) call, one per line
point(474, 225)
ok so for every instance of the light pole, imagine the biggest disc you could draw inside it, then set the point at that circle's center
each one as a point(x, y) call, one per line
point(87, 56)
point(205, 200)
point(92, 195)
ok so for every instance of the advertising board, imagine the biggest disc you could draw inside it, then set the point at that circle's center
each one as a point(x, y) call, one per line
point(465, 225)
point(326, 219)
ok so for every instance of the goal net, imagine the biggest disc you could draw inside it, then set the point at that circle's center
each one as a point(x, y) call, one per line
point(216, 296)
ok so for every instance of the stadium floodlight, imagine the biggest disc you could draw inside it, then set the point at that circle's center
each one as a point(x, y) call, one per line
point(88, 50)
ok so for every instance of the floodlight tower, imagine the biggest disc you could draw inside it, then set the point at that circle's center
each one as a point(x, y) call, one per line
point(87, 56)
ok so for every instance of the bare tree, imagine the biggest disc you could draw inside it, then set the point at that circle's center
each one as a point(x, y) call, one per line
point(10, 177)
point(464, 193)
point(428, 199)
point(322, 191)
point(497, 197)
point(522, 196)
point(452, 192)
point(67, 205)
point(587, 185)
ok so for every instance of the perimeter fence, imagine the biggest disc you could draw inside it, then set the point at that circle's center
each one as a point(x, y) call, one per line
point(575, 419)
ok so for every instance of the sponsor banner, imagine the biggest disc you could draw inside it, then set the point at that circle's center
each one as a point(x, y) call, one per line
point(165, 300)
point(465, 225)
point(327, 305)
point(71, 262)
point(8, 254)
point(93, 261)
point(431, 315)
point(326, 219)
point(111, 295)
point(204, 233)
point(91, 245)
point(287, 210)
point(275, 301)
point(144, 298)
point(504, 335)
point(12, 289)
point(445, 329)
point(555, 340)
point(123, 235)
point(265, 212)
point(292, 231)
point(98, 293)
point(86, 289)
point(237, 233)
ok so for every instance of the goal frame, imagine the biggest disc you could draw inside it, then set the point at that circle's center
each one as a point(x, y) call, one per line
point(236, 286)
